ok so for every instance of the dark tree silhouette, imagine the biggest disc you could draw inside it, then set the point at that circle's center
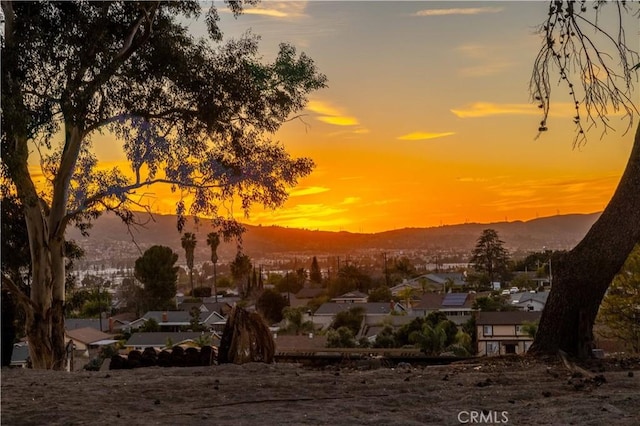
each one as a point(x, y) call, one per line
point(489, 255)
point(156, 270)
point(597, 67)
point(213, 241)
point(189, 243)
point(271, 305)
point(240, 271)
point(315, 275)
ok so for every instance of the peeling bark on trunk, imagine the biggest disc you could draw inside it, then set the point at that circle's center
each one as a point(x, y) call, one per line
point(45, 314)
point(582, 276)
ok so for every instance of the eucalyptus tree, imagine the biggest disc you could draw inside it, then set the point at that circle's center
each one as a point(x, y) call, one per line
point(189, 243)
point(195, 115)
point(597, 67)
point(213, 241)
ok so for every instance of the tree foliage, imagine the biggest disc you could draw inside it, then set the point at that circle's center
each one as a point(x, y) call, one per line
point(315, 275)
point(351, 319)
point(433, 320)
point(342, 337)
point(156, 270)
point(240, 270)
point(595, 66)
point(489, 255)
point(132, 294)
point(493, 304)
point(192, 114)
point(271, 304)
point(620, 309)
point(350, 278)
point(295, 320)
point(380, 294)
point(290, 282)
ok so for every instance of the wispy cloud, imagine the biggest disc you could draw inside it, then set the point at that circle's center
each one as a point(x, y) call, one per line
point(422, 136)
point(336, 116)
point(557, 193)
point(276, 9)
point(487, 109)
point(350, 200)
point(458, 11)
point(267, 12)
point(339, 120)
point(470, 179)
point(311, 190)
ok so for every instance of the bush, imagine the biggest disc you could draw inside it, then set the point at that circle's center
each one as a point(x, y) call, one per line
point(202, 292)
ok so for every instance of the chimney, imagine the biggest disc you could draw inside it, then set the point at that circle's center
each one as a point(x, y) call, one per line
point(165, 316)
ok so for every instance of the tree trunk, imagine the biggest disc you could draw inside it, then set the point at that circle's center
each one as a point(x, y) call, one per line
point(46, 227)
point(583, 275)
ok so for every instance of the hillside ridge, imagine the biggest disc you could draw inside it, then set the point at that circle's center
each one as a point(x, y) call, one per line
point(554, 232)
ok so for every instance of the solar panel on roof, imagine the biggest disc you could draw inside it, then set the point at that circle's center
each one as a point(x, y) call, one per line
point(454, 299)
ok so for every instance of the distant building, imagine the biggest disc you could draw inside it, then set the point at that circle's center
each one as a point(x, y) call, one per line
point(501, 333)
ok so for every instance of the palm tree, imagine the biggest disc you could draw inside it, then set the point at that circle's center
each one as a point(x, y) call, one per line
point(189, 245)
point(213, 241)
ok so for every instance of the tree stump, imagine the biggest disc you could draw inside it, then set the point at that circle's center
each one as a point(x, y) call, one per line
point(246, 338)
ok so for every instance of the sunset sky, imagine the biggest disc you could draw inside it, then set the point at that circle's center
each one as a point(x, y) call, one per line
point(426, 120)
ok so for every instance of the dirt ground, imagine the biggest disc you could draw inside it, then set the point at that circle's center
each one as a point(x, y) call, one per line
point(516, 391)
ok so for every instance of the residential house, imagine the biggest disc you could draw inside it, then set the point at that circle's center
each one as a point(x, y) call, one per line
point(20, 355)
point(88, 338)
point(351, 297)
point(458, 307)
point(374, 313)
point(445, 281)
point(528, 301)
point(177, 320)
point(429, 302)
point(223, 308)
point(303, 297)
point(230, 300)
point(310, 292)
point(100, 324)
point(373, 328)
point(160, 340)
point(502, 333)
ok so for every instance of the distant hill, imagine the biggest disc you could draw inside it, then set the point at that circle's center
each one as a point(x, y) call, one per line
point(109, 238)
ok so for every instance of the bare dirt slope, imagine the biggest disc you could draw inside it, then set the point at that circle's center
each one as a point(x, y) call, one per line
point(513, 391)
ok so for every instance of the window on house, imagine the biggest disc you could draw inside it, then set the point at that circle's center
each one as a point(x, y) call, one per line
point(487, 330)
point(493, 348)
point(519, 330)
